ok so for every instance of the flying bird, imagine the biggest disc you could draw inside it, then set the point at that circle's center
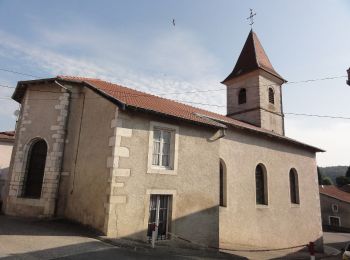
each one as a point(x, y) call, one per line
point(174, 22)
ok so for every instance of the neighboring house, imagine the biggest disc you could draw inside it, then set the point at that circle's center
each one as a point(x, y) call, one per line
point(335, 208)
point(126, 162)
point(348, 81)
point(6, 143)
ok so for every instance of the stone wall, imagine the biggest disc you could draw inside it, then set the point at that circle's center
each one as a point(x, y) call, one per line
point(118, 175)
point(34, 124)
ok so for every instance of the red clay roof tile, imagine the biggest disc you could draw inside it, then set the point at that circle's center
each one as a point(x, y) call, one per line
point(134, 99)
point(138, 99)
point(335, 192)
point(7, 136)
point(252, 57)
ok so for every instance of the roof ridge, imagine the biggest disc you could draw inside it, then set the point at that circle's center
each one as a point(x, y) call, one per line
point(155, 96)
point(76, 77)
point(124, 96)
point(256, 56)
point(252, 58)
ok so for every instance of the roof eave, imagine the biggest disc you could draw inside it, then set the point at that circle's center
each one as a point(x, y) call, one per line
point(21, 87)
point(230, 77)
point(282, 138)
point(334, 197)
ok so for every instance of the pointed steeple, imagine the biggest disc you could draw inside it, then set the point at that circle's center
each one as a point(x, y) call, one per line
point(252, 57)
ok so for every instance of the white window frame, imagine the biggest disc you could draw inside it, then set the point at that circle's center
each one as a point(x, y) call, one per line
point(172, 214)
point(329, 220)
point(335, 208)
point(173, 153)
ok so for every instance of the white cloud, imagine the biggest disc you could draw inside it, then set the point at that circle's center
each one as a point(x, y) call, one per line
point(332, 136)
point(174, 61)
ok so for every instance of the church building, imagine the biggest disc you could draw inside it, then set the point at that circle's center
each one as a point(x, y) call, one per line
point(126, 162)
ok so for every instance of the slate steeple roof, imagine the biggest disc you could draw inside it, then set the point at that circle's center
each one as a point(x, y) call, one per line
point(252, 57)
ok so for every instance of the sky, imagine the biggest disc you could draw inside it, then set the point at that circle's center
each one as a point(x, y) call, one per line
point(134, 43)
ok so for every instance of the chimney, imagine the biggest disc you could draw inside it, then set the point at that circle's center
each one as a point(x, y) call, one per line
point(348, 81)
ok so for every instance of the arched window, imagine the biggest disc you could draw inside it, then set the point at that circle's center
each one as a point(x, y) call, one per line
point(242, 96)
point(261, 185)
point(271, 96)
point(223, 185)
point(294, 186)
point(35, 169)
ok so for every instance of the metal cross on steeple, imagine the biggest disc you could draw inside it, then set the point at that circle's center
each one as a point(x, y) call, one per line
point(251, 18)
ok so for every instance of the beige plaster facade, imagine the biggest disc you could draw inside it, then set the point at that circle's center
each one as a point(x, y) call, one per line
point(113, 153)
point(257, 110)
point(335, 208)
point(5, 157)
point(106, 180)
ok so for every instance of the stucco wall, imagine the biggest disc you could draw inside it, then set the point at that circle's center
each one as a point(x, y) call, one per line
point(106, 182)
point(83, 178)
point(5, 157)
point(249, 81)
point(280, 224)
point(257, 110)
point(194, 187)
point(343, 211)
point(88, 179)
point(271, 114)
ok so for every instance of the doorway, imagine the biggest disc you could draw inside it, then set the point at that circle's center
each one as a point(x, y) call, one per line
point(159, 216)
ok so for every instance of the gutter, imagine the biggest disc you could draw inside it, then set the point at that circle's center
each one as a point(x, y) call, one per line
point(64, 143)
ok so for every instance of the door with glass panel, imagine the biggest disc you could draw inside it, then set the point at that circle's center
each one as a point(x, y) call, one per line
point(159, 216)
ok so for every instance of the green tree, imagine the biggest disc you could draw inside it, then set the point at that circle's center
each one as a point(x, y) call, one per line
point(327, 181)
point(347, 174)
point(319, 175)
point(342, 180)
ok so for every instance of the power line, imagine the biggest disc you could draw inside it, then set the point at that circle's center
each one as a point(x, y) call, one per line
point(197, 103)
point(314, 115)
point(203, 90)
point(5, 86)
point(189, 92)
point(267, 85)
point(19, 73)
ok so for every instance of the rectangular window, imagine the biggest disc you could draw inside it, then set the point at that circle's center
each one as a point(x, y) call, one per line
point(161, 148)
point(334, 207)
point(159, 216)
point(334, 221)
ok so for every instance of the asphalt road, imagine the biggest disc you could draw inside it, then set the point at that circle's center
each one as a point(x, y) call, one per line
point(38, 239)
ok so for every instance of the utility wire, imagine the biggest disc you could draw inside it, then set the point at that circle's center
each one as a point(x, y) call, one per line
point(5, 86)
point(19, 73)
point(314, 115)
point(188, 92)
point(204, 104)
point(198, 91)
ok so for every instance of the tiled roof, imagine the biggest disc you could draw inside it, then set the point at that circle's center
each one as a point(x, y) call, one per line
point(7, 136)
point(335, 192)
point(252, 57)
point(133, 99)
point(346, 188)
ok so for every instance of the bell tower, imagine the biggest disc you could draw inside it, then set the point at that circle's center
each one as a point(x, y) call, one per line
point(254, 89)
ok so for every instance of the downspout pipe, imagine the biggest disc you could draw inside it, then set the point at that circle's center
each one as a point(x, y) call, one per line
point(63, 144)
